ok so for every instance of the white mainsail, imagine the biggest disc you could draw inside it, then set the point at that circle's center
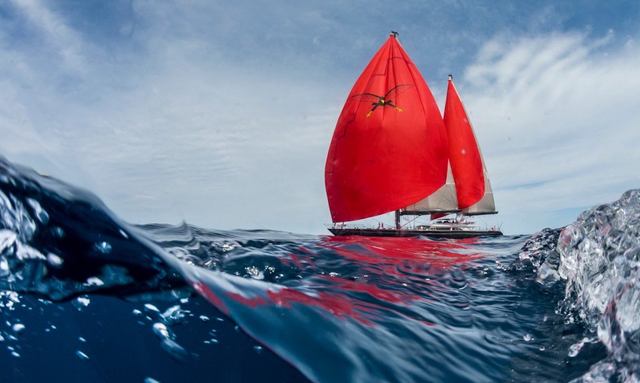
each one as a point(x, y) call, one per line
point(486, 205)
point(443, 200)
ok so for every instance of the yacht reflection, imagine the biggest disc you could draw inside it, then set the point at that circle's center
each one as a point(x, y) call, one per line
point(363, 276)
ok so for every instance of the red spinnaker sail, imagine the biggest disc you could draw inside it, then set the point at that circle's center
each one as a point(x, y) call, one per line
point(389, 148)
point(466, 161)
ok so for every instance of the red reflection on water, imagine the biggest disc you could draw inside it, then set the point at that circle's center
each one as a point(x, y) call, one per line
point(206, 292)
point(390, 252)
point(395, 257)
point(250, 302)
point(370, 289)
point(295, 260)
point(338, 305)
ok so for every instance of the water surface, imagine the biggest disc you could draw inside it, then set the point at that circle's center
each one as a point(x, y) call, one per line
point(86, 296)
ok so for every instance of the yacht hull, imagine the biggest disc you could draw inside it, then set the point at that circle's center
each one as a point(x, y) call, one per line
point(434, 233)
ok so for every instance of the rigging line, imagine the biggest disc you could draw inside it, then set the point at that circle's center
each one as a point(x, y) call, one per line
point(410, 222)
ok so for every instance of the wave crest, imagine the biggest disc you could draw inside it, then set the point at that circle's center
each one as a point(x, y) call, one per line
point(600, 261)
point(59, 241)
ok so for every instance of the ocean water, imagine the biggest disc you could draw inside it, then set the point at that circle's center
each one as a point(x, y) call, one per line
point(85, 296)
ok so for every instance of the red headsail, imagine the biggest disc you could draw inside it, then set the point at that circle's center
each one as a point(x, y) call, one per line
point(466, 161)
point(389, 148)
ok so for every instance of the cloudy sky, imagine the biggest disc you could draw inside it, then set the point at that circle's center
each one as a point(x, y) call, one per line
point(220, 113)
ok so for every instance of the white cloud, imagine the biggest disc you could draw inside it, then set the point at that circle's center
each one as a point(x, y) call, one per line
point(557, 117)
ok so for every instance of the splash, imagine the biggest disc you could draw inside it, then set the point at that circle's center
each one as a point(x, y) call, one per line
point(596, 262)
point(600, 261)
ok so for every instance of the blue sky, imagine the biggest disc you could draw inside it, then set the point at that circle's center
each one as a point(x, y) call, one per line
point(220, 113)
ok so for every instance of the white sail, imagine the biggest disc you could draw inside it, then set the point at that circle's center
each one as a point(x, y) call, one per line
point(442, 200)
point(486, 205)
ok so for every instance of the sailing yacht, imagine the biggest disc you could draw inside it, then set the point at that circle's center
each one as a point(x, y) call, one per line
point(392, 151)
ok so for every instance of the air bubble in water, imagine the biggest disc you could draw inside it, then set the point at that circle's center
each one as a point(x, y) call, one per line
point(54, 260)
point(161, 330)
point(94, 281)
point(174, 349)
point(83, 301)
point(168, 344)
point(104, 247)
point(151, 307)
point(228, 246)
point(173, 314)
point(575, 348)
point(82, 355)
point(57, 232)
point(254, 272)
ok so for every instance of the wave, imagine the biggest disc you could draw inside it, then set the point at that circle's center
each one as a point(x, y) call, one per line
point(59, 241)
point(600, 261)
point(597, 260)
